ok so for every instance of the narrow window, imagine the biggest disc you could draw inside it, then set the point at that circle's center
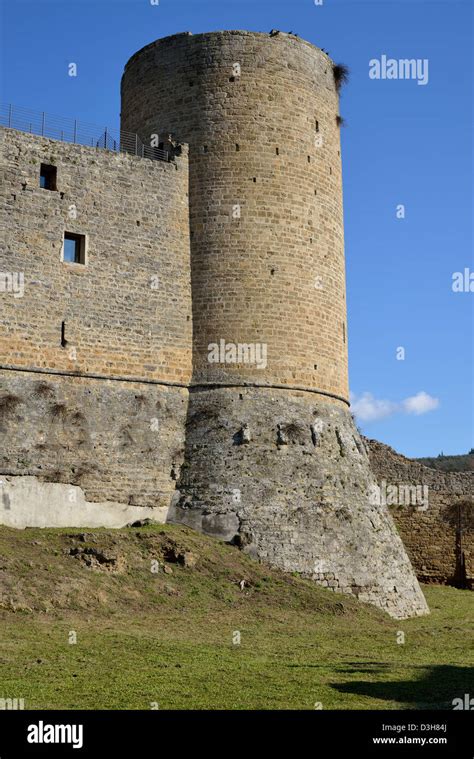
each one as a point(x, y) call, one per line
point(317, 125)
point(74, 248)
point(63, 335)
point(47, 177)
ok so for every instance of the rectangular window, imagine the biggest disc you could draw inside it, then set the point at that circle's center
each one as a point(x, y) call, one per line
point(47, 177)
point(74, 248)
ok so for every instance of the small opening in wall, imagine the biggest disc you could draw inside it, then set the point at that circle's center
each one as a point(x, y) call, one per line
point(309, 159)
point(48, 177)
point(330, 169)
point(317, 125)
point(232, 79)
point(255, 179)
point(74, 248)
point(237, 147)
point(315, 192)
point(204, 148)
point(277, 151)
point(272, 272)
point(311, 239)
point(63, 335)
point(191, 84)
point(315, 366)
point(138, 223)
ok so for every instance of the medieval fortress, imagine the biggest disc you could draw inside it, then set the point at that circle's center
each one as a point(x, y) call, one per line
point(179, 350)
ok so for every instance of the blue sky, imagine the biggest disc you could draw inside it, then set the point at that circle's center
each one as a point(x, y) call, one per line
point(403, 143)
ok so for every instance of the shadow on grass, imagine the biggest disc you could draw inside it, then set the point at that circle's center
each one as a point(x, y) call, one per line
point(432, 687)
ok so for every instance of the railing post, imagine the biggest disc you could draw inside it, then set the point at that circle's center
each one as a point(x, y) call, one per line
point(10, 111)
point(42, 125)
point(105, 136)
point(75, 130)
point(136, 144)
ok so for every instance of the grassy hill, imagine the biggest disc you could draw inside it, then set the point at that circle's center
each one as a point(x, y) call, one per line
point(461, 463)
point(155, 612)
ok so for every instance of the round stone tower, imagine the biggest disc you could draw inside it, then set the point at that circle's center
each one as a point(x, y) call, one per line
point(273, 460)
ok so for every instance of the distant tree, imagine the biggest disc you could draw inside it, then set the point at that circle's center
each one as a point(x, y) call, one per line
point(471, 451)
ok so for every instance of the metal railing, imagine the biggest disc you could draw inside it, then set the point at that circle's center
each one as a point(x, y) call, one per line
point(79, 132)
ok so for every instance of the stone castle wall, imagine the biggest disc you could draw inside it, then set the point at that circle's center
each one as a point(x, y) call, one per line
point(290, 483)
point(128, 311)
point(259, 114)
point(105, 411)
point(272, 459)
point(108, 395)
point(439, 538)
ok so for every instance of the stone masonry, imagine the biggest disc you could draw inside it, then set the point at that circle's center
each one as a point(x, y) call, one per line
point(196, 362)
point(272, 458)
point(105, 411)
point(439, 533)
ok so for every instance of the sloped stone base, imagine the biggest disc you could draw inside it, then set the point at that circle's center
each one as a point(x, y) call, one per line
point(286, 476)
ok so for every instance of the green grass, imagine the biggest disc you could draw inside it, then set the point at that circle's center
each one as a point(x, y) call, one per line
point(167, 638)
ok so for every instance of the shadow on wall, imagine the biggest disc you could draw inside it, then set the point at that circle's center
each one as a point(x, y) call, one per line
point(438, 687)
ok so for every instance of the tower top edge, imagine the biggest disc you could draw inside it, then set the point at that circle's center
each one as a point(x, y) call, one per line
point(273, 35)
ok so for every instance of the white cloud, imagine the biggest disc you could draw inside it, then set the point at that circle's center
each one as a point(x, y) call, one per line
point(368, 409)
point(420, 403)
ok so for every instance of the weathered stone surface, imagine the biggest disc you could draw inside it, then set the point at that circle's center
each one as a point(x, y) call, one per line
point(299, 507)
point(118, 441)
point(438, 534)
